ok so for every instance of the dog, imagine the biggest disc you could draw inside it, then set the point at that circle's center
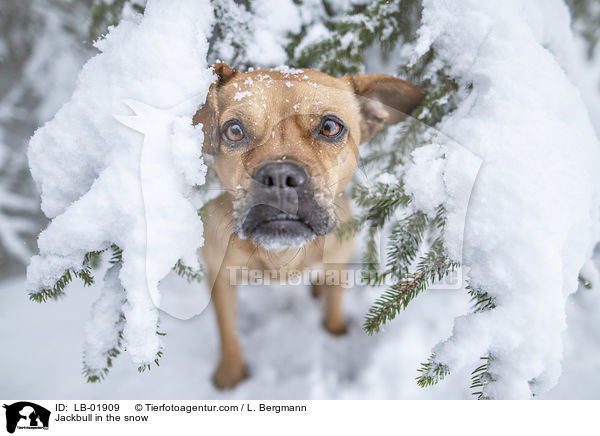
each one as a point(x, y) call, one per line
point(285, 145)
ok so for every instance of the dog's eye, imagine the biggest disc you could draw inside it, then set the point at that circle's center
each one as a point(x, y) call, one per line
point(331, 128)
point(234, 131)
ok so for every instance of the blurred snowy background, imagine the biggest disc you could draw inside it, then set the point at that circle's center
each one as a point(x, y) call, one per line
point(43, 45)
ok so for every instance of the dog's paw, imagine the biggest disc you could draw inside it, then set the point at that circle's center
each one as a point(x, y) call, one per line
point(229, 374)
point(336, 328)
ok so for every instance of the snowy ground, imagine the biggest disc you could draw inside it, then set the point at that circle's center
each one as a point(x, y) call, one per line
point(289, 354)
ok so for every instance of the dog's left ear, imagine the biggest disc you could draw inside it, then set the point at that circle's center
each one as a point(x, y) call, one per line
point(383, 100)
point(208, 113)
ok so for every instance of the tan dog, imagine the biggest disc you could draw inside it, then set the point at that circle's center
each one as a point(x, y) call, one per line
point(285, 145)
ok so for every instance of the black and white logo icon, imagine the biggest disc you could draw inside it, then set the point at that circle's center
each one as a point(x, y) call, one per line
point(26, 415)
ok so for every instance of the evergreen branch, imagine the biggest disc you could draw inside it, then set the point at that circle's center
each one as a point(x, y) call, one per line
point(431, 372)
point(159, 355)
point(392, 301)
point(405, 239)
point(380, 149)
point(481, 300)
point(347, 229)
point(230, 32)
point(380, 201)
point(187, 272)
point(97, 375)
point(382, 22)
point(117, 254)
point(584, 282)
point(91, 260)
point(148, 366)
point(433, 266)
point(55, 292)
point(480, 377)
point(370, 264)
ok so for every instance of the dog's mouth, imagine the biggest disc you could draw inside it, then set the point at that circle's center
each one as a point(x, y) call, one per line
point(286, 218)
point(275, 230)
point(284, 224)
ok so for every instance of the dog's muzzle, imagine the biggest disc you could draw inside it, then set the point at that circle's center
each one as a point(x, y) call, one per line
point(281, 210)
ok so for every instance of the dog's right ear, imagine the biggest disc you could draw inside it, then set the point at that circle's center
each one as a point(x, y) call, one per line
point(383, 100)
point(208, 114)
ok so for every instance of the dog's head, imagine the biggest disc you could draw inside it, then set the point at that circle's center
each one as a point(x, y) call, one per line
point(285, 144)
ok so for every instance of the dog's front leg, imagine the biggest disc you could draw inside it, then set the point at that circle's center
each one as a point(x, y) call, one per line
point(231, 369)
point(334, 317)
point(221, 252)
point(332, 292)
point(336, 275)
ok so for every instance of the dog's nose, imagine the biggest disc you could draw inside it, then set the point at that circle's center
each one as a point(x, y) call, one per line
point(281, 175)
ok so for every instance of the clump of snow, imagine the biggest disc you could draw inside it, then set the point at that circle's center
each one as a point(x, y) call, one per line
point(103, 182)
point(102, 333)
point(443, 175)
point(424, 179)
point(239, 96)
point(287, 70)
point(386, 178)
point(270, 28)
point(533, 216)
point(257, 35)
point(316, 33)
